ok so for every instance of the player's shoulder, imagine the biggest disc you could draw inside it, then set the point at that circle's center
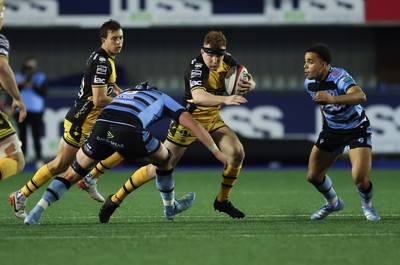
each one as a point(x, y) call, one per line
point(336, 73)
point(197, 69)
point(230, 60)
point(99, 57)
point(197, 62)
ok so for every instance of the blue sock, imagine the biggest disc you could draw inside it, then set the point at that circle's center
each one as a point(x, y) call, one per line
point(165, 184)
point(327, 190)
point(56, 190)
point(366, 195)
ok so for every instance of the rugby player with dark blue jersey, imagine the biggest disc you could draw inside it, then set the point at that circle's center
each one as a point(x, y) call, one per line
point(345, 124)
point(122, 127)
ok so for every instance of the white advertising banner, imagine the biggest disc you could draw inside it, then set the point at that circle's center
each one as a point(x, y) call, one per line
point(160, 13)
point(269, 117)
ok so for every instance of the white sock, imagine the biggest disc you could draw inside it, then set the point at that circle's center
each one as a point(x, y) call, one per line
point(43, 203)
point(333, 201)
point(168, 202)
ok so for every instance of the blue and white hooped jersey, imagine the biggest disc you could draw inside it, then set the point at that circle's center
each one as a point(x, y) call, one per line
point(337, 116)
point(141, 108)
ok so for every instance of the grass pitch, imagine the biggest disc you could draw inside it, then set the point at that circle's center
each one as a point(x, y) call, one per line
point(276, 229)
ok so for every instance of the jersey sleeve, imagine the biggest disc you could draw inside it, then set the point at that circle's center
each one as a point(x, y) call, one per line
point(230, 61)
point(100, 71)
point(197, 74)
point(345, 81)
point(172, 108)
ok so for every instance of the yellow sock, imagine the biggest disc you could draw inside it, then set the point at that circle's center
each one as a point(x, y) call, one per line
point(138, 178)
point(8, 167)
point(229, 177)
point(41, 177)
point(106, 164)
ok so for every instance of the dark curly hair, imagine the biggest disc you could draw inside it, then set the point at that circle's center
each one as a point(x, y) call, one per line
point(322, 50)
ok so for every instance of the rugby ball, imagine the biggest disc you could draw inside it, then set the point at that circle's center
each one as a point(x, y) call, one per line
point(233, 77)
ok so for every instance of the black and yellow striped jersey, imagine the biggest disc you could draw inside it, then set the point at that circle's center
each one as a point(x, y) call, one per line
point(199, 76)
point(99, 72)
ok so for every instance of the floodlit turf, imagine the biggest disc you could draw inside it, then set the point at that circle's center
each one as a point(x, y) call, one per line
point(276, 229)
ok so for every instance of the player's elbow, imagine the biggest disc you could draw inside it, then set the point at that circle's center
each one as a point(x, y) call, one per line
point(100, 102)
point(363, 98)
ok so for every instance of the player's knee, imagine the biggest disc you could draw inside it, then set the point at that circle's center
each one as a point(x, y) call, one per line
point(21, 163)
point(361, 181)
point(310, 178)
point(238, 155)
point(165, 160)
point(314, 178)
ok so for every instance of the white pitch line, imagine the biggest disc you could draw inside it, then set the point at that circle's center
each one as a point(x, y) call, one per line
point(136, 236)
point(213, 217)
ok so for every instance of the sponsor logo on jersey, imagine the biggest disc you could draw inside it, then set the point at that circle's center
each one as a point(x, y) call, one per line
point(99, 80)
point(110, 142)
point(195, 83)
point(195, 73)
point(102, 59)
point(198, 65)
point(101, 70)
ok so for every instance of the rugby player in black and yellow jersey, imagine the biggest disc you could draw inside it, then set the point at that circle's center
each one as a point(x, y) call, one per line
point(96, 90)
point(11, 156)
point(204, 87)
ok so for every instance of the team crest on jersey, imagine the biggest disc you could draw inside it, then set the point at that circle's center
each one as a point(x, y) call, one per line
point(102, 59)
point(198, 65)
point(348, 79)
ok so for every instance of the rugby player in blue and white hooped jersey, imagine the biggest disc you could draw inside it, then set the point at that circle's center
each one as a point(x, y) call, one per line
point(345, 124)
point(122, 127)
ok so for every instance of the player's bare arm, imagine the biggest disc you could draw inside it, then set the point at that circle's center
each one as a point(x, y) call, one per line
point(7, 82)
point(100, 98)
point(205, 138)
point(354, 96)
point(117, 89)
point(203, 98)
